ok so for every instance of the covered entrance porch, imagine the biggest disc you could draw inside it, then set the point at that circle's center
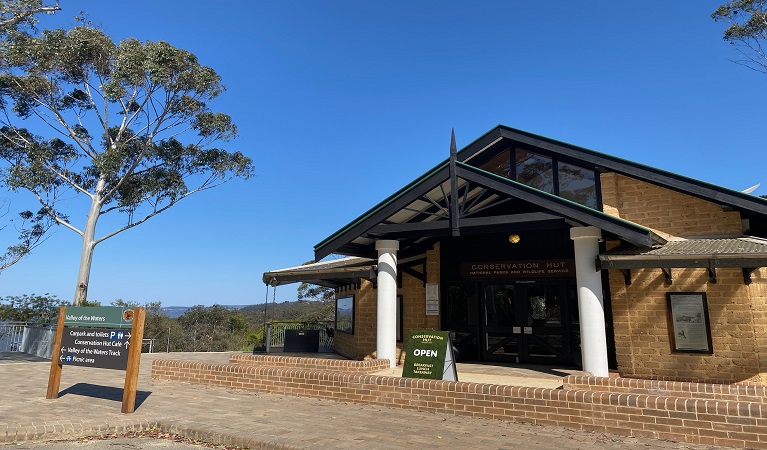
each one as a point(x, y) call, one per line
point(514, 321)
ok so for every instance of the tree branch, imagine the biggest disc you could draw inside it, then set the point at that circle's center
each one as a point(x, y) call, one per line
point(24, 15)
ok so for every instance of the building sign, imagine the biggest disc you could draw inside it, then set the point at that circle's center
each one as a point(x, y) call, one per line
point(99, 316)
point(519, 268)
point(429, 355)
point(95, 347)
point(432, 299)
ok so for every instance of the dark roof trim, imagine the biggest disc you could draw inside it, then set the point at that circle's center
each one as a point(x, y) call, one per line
point(628, 231)
point(415, 227)
point(382, 210)
point(744, 260)
point(642, 172)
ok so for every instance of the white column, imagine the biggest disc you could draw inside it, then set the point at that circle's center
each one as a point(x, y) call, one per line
point(590, 300)
point(386, 328)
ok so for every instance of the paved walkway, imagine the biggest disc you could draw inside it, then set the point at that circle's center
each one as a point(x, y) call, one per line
point(90, 402)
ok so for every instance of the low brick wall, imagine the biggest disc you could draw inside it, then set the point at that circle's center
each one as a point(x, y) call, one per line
point(337, 365)
point(710, 422)
point(706, 391)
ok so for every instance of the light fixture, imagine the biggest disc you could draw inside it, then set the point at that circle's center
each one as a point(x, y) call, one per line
point(514, 238)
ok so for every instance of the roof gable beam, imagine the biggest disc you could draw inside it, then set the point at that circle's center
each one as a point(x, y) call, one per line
point(632, 233)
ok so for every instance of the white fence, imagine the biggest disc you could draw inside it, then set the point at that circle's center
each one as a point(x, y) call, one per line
point(27, 338)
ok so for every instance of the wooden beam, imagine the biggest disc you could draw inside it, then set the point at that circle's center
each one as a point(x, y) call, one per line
point(667, 274)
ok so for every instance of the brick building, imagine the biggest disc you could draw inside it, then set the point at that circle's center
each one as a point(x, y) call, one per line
point(534, 251)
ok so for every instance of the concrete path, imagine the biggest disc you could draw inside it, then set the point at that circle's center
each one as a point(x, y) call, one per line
point(90, 402)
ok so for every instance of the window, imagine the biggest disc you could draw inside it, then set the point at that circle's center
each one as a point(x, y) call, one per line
point(345, 314)
point(545, 173)
point(577, 184)
point(499, 164)
point(534, 170)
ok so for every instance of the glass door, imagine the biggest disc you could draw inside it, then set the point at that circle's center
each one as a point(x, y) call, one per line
point(545, 335)
point(460, 316)
point(526, 322)
point(501, 323)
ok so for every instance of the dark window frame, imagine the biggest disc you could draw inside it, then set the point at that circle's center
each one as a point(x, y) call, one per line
point(354, 314)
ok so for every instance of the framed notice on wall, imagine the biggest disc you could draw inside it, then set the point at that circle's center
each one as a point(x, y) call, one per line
point(432, 299)
point(689, 326)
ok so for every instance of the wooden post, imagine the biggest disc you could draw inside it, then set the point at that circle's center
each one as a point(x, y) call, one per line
point(54, 379)
point(134, 360)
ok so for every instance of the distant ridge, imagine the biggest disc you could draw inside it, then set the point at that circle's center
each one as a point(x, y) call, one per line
point(175, 312)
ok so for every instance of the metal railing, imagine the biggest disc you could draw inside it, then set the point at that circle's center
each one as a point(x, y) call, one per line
point(11, 335)
point(32, 338)
point(275, 333)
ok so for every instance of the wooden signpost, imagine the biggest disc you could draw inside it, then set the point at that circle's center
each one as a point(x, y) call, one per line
point(105, 337)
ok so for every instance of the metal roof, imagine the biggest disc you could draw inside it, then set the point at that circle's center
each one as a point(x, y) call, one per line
point(744, 252)
point(333, 273)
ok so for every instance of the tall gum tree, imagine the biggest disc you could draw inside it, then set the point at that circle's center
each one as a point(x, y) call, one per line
point(25, 229)
point(129, 129)
point(746, 31)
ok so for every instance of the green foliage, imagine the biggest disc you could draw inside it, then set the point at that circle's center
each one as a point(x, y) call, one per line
point(18, 15)
point(308, 291)
point(41, 309)
point(747, 30)
point(214, 329)
point(29, 230)
point(129, 127)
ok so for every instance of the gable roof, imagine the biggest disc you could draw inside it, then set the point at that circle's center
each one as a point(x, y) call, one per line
point(670, 180)
point(419, 213)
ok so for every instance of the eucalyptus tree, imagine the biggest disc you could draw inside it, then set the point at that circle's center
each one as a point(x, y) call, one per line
point(127, 127)
point(26, 229)
point(17, 14)
point(747, 30)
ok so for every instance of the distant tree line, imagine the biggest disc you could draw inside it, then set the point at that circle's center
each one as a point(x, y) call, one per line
point(200, 329)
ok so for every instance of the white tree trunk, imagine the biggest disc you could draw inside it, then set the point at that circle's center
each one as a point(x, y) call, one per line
point(89, 243)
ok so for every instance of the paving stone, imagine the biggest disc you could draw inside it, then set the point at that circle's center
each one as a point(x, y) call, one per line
point(90, 403)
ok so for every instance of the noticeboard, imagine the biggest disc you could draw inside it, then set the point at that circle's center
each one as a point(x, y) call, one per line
point(99, 316)
point(95, 347)
point(429, 355)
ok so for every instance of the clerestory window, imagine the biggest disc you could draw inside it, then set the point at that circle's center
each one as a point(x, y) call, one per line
point(547, 174)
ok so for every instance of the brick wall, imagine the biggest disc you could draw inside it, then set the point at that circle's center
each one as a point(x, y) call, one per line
point(738, 322)
point(362, 344)
point(710, 422)
point(666, 211)
point(337, 365)
point(705, 391)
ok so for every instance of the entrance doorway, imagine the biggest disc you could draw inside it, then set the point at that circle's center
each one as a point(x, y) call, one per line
point(517, 321)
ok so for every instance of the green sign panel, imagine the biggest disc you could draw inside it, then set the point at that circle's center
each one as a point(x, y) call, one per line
point(99, 316)
point(429, 355)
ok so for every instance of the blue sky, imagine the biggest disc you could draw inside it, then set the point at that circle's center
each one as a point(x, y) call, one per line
point(341, 103)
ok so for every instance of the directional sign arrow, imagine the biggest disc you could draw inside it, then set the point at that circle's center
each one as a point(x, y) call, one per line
point(63, 350)
point(127, 344)
point(61, 358)
point(127, 335)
